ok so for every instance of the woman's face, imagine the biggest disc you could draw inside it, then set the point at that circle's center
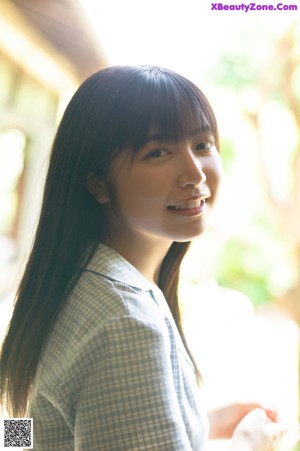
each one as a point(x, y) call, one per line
point(169, 189)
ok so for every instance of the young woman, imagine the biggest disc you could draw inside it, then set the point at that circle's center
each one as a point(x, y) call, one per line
point(95, 351)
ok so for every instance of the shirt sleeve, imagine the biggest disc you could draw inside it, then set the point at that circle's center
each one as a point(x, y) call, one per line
point(126, 399)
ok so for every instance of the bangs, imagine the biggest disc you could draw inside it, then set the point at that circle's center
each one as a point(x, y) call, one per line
point(119, 107)
point(166, 103)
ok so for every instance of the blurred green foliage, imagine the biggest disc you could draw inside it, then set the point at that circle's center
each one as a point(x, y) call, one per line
point(257, 260)
point(227, 152)
point(234, 271)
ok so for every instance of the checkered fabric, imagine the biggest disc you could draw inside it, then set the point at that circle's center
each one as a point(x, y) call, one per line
point(115, 374)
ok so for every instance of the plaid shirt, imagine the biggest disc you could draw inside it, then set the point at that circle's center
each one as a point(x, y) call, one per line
point(115, 374)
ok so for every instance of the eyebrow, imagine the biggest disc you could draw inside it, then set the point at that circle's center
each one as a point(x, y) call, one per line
point(161, 137)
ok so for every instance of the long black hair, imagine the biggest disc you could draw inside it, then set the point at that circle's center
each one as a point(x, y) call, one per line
point(113, 109)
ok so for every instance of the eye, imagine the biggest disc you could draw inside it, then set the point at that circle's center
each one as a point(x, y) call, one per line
point(157, 153)
point(205, 145)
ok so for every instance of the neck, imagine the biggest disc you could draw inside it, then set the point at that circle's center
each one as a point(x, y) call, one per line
point(145, 254)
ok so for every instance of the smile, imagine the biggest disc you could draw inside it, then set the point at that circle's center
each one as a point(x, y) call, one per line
point(189, 208)
point(188, 205)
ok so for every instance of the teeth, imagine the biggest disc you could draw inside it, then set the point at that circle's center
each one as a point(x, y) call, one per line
point(188, 205)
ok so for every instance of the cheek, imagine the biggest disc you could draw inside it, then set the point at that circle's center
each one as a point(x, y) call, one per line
point(142, 184)
point(138, 194)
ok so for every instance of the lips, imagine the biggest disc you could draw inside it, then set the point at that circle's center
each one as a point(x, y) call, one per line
point(190, 205)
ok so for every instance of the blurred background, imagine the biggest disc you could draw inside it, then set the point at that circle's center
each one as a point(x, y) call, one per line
point(240, 283)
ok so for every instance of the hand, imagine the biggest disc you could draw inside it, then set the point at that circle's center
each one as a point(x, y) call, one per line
point(224, 420)
point(257, 432)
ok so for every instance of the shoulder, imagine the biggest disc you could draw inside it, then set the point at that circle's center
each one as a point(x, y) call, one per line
point(100, 309)
point(103, 323)
point(110, 286)
point(111, 303)
point(98, 296)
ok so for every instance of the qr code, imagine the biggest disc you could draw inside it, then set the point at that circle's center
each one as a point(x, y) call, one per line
point(18, 433)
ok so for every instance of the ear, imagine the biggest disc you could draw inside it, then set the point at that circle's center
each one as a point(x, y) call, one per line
point(97, 188)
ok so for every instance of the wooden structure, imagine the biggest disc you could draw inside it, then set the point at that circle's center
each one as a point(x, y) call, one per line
point(47, 48)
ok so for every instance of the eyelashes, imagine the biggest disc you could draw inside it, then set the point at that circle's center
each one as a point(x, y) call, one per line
point(204, 145)
point(158, 153)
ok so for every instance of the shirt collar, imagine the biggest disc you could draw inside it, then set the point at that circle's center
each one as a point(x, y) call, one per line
point(108, 263)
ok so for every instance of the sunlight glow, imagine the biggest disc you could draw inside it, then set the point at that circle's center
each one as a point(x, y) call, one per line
point(183, 36)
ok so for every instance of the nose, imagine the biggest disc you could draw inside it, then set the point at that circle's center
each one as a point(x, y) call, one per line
point(191, 170)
